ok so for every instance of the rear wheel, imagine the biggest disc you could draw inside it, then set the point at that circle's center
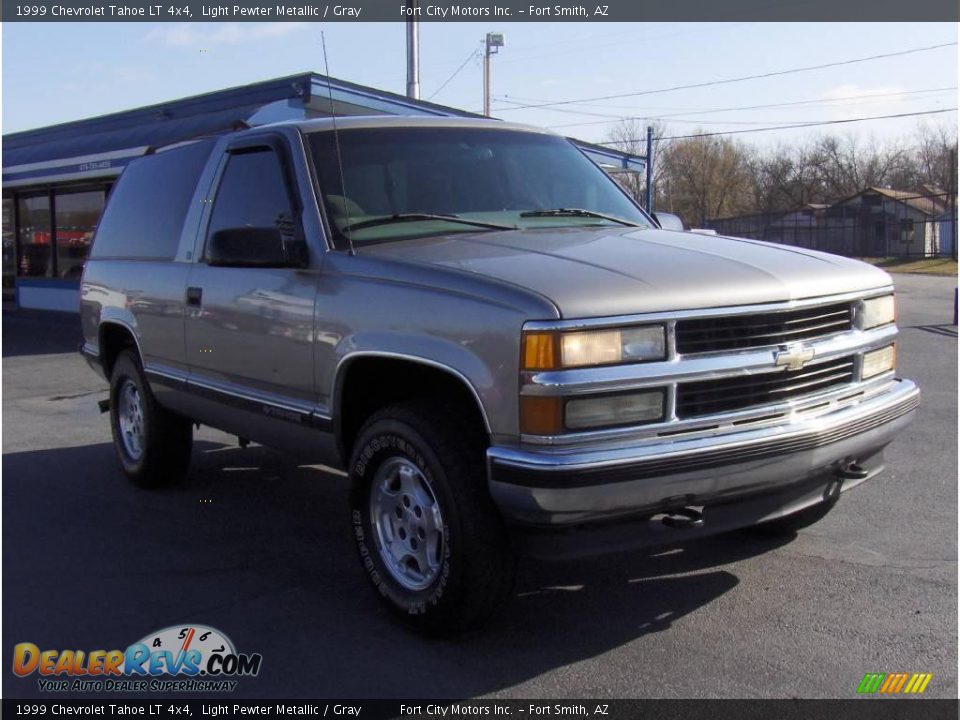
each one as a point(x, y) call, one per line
point(152, 444)
point(429, 536)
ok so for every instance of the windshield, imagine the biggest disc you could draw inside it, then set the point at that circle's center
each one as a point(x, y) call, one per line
point(403, 182)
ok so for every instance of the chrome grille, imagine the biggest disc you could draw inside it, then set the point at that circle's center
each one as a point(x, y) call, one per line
point(739, 332)
point(707, 397)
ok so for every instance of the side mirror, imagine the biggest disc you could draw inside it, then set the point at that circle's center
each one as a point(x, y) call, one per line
point(668, 221)
point(249, 247)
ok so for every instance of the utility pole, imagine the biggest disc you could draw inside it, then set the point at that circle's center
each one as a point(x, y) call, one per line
point(649, 167)
point(491, 44)
point(953, 206)
point(413, 51)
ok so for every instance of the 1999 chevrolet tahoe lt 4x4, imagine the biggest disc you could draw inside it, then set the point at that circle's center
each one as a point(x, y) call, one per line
point(500, 347)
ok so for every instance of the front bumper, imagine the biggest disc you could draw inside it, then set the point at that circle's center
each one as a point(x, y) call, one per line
point(543, 488)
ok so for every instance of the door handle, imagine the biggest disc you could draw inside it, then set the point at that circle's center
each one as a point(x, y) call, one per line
point(194, 296)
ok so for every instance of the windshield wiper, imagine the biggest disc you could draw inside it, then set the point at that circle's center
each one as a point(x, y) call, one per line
point(577, 212)
point(410, 217)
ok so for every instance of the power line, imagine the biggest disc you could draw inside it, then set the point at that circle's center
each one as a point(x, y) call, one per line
point(826, 102)
point(471, 56)
point(627, 141)
point(521, 54)
point(728, 81)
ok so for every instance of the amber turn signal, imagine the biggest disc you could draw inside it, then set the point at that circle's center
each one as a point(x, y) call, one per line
point(541, 415)
point(541, 351)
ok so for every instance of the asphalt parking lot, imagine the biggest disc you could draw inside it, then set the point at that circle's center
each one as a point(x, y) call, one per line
point(259, 548)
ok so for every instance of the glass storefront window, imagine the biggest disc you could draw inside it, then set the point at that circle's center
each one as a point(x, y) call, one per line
point(36, 258)
point(77, 214)
point(9, 245)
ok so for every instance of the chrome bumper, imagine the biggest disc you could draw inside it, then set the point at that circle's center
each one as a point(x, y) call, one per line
point(551, 488)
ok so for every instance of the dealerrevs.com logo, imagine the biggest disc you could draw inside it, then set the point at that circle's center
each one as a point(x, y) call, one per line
point(191, 658)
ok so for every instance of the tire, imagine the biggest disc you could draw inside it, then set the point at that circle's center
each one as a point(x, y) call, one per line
point(790, 524)
point(429, 536)
point(152, 444)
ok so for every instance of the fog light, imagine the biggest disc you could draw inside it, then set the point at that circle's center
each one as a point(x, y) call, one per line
point(878, 362)
point(611, 410)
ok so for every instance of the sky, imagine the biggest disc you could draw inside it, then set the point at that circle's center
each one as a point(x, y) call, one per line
point(57, 72)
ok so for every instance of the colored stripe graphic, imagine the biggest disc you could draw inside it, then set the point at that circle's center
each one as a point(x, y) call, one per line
point(894, 683)
point(870, 683)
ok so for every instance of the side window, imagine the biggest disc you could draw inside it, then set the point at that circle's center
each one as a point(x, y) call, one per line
point(253, 193)
point(146, 210)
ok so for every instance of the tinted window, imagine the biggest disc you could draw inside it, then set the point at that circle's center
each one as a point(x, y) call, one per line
point(36, 258)
point(145, 213)
point(9, 244)
point(253, 193)
point(76, 216)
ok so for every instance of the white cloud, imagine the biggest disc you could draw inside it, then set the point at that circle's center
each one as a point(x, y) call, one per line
point(184, 35)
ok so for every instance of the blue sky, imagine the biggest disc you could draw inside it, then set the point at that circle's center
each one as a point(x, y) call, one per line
point(56, 72)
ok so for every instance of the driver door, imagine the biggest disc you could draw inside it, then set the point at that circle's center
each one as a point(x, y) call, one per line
point(249, 330)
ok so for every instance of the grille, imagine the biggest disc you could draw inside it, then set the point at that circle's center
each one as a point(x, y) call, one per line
point(716, 396)
point(737, 332)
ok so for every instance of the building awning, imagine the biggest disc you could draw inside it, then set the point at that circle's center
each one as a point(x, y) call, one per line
point(99, 148)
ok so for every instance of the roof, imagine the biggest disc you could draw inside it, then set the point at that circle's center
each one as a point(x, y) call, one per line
point(100, 147)
point(373, 121)
point(926, 203)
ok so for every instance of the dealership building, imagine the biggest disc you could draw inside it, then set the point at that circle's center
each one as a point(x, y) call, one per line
point(56, 179)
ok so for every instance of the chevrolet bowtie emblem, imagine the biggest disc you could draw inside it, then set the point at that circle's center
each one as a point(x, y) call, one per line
point(793, 357)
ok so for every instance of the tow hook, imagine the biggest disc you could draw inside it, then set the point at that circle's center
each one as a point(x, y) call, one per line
point(684, 517)
point(852, 472)
point(104, 405)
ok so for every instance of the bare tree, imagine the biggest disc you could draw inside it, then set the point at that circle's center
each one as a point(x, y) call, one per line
point(630, 135)
point(708, 177)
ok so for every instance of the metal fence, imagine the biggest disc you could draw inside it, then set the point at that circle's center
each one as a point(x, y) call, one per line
point(871, 225)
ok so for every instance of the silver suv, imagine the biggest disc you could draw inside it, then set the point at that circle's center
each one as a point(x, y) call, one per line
point(501, 348)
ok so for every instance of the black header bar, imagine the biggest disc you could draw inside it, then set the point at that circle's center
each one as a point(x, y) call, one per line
point(492, 11)
point(228, 707)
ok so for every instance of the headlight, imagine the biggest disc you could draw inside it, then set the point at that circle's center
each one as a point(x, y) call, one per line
point(877, 311)
point(878, 362)
point(552, 350)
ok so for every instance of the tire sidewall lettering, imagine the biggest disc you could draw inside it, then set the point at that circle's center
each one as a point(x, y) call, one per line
point(371, 455)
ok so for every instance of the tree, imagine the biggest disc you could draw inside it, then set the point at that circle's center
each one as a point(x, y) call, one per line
point(707, 177)
point(630, 135)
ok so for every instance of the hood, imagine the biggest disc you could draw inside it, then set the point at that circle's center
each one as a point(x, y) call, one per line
point(620, 271)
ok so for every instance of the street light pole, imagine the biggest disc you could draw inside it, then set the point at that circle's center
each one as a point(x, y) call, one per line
point(648, 162)
point(492, 43)
point(413, 52)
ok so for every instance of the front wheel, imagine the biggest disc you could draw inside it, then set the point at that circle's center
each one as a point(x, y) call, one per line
point(429, 536)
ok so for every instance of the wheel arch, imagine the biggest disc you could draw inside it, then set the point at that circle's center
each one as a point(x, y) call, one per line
point(387, 368)
point(113, 337)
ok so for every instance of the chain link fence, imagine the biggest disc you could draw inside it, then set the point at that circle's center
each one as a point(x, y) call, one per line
point(874, 223)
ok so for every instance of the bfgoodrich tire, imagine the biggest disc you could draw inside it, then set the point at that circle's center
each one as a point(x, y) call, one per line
point(152, 444)
point(429, 536)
